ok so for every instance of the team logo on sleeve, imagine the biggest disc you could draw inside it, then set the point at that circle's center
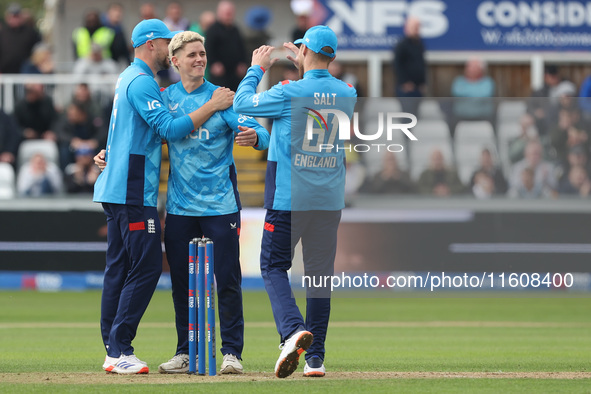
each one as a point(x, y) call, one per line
point(153, 105)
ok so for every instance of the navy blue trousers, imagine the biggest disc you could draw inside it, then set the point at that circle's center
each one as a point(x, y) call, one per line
point(224, 230)
point(133, 268)
point(317, 231)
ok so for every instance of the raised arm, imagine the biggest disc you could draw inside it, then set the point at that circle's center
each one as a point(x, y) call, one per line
point(247, 101)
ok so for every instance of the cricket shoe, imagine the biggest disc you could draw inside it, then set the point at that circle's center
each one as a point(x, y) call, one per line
point(109, 363)
point(127, 365)
point(314, 368)
point(178, 364)
point(290, 353)
point(230, 365)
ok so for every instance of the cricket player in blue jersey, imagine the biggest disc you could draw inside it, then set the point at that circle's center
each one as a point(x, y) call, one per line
point(128, 189)
point(315, 176)
point(203, 200)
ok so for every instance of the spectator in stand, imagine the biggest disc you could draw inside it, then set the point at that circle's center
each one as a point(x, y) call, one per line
point(36, 114)
point(485, 174)
point(257, 19)
point(93, 32)
point(77, 131)
point(81, 175)
point(17, 39)
point(569, 132)
point(542, 106)
point(112, 19)
point(437, 180)
point(585, 98)
point(83, 97)
point(9, 138)
point(410, 68)
point(577, 157)
point(40, 62)
point(175, 21)
point(225, 48)
point(336, 69)
point(390, 180)
point(206, 19)
point(148, 11)
point(95, 64)
point(302, 10)
point(174, 18)
point(576, 183)
point(473, 91)
point(39, 178)
point(543, 178)
point(525, 186)
point(483, 185)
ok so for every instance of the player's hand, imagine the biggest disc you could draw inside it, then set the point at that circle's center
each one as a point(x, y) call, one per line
point(247, 136)
point(99, 160)
point(262, 57)
point(290, 46)
point(222, 98)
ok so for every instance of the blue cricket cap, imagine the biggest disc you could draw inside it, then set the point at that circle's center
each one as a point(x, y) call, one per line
point(150, 29)
point(318, 37)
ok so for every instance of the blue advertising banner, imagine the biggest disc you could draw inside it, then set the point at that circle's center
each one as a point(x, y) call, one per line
point(507, 25)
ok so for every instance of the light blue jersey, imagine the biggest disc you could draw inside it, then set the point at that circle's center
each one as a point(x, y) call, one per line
point(202, 179)
point(138, 124)
point(318, 180)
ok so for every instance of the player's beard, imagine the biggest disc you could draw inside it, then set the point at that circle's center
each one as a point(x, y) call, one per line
point(163, 62)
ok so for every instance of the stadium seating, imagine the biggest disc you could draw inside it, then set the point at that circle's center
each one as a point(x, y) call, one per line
point(7, 181)
point(384, 104)
point(431, 131)
point(430, 110)
point(510, 111)
point(29, 148)
point(471, 137)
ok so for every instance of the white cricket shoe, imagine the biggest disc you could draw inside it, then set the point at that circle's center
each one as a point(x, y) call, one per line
point(290, 354)
point(109, 363)
point(178, 364)
point(230, 365)
point(314, 368)
point(130, 365)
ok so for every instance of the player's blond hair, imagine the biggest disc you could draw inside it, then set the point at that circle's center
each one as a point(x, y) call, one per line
point(181, 39)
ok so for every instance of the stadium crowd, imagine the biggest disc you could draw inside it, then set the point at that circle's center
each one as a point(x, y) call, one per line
point(536, 148)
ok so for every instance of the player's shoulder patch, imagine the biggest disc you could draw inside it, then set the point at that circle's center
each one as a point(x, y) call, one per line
point(285, 81)
point(349, 85)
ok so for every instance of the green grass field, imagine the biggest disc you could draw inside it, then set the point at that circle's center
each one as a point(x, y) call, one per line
point(51, 341)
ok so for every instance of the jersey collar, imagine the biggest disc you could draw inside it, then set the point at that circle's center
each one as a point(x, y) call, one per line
point(144, 66)
point(317, 73)
point(199, 90)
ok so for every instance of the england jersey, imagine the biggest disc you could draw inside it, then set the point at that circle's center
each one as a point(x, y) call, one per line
point(202, 179)
point(138, 124)
point(298, 177)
